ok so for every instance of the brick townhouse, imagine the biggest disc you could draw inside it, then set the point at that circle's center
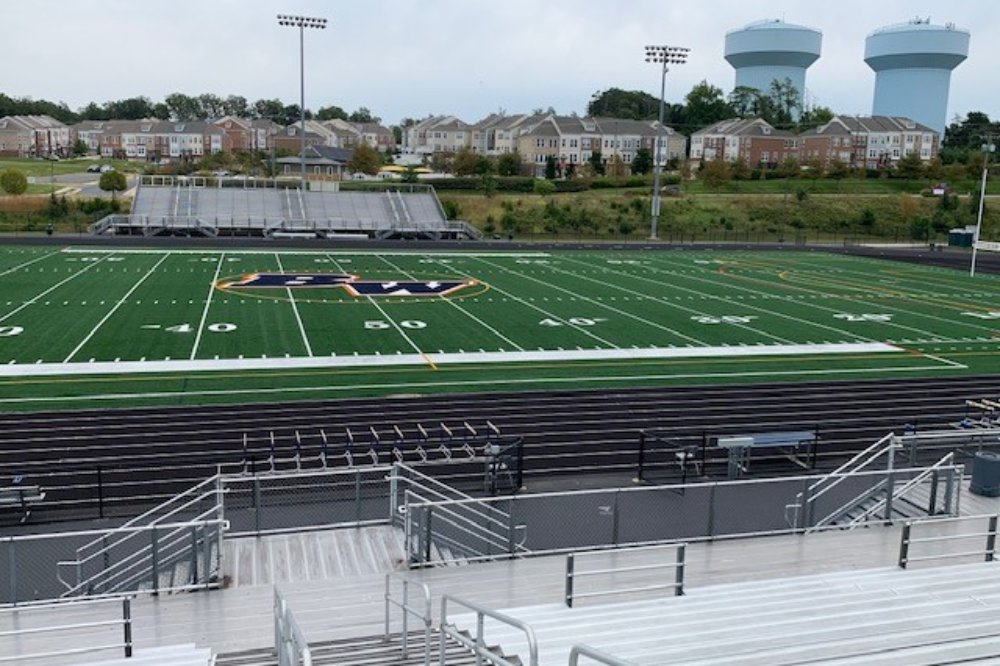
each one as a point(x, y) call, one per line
point(34, 136)
point(753, 141)
point(868, 141)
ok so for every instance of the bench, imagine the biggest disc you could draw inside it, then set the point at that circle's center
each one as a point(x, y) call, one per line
point(21, 497)
point(788, 442)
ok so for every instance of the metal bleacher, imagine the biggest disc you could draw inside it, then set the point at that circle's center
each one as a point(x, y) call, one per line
point(198, 206)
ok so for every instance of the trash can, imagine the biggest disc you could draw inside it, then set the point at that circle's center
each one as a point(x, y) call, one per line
point(986, 474)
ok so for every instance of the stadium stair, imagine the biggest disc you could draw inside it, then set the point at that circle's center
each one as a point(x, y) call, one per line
point(364, 651)
point(880, 616)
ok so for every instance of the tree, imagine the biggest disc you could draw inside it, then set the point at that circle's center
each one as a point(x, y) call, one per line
point(13, 182)
point(838, 169)
point(786, 98)
point(80, 148)
point(816, 116)
point(744, 101)
point(618, 103)
point(133, 108)
point(365, 159)
point(114, 182)
point(269, 108)
point(363, 115)
point(236, 105)
point(705, 105)
point(714, 173)
point(550, 167)
point(182, 107)
point(597, 163)
point(509, 164)
point(331, 112)
point(543, 187)
point(465, 162)
point(910, 167)
point(642, 162)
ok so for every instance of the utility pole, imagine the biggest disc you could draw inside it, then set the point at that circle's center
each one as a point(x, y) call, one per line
point(988, 149)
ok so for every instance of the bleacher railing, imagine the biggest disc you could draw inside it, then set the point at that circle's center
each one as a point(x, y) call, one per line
point(422, 612)
point(477, 644)
point(86, 637)
point(289, 642)
point(578, 651)
point(617, 570)
point(942, 543)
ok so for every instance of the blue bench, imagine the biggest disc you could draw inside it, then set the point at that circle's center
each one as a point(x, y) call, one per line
point(788, 442)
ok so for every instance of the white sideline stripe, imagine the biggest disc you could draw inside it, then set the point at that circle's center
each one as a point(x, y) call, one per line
point(316, 253)
point(362, 361)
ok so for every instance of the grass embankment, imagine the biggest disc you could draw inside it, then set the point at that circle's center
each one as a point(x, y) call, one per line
point(40, 168)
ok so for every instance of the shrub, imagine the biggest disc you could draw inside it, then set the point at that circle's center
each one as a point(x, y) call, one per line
point(14, 182)
point(544, 187)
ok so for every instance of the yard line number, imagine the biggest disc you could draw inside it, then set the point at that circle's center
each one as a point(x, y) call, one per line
point(992, 314)
point(573, 321)
point(723, 319)
point(221, 327)
point(882, 318)
point(10, 331)
point(382, 325)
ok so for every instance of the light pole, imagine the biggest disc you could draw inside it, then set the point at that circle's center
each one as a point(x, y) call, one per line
point(302, 22)
point(664, 55)
point(988, 149)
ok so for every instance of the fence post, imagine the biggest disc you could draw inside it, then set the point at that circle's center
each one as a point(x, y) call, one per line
point(100, 493)
point(12, 564)
point(949, 490)
point(710, 531)
point(194, 555)
point(357, 497)
point(614, 519)
point(154, 551)
point(510, 527)
point(256, 505)
point(127, 624)
point(569, 581)
point(890, 489)
point(932, 503)
point(520, 464)
point(904, 546)
point(805, 507)
point(679, 571)
point(991, 539)
point(393, 500)
point(427, 533)
point(642, 453)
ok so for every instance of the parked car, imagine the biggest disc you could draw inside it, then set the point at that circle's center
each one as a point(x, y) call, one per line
point(94, 168)
point(105, 168)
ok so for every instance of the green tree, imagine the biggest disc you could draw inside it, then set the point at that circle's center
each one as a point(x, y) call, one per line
point(705, 105)
point(642, 162)
point(237, 106)
point(544, 187)
point(365, 159)
point(550, 167)
point(618, 103)
point(597, 163)
point(816, 116)
point(744, 101)
point(509, 164)
point(714, 173)
point(363, 115)
point(183, 107)
point(114, 182)
point(837, 169)
point(786, 99)
point(331, 112)
point(13, 182)
point(910, 167)
point(80, 148)
point(465, 162)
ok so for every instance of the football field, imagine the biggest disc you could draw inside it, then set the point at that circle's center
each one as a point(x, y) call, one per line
point(87, 327)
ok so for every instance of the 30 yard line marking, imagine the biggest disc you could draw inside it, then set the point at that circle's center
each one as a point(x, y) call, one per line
point(115, 308)
point(51, 289)
point(208, 302)
point(389, 319)
point(295, 309)
point(28, 263)
point(461, 309)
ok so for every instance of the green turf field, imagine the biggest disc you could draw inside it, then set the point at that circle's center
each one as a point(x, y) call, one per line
point(85, 327)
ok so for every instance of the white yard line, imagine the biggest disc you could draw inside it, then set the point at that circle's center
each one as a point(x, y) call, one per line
point(461, 309)
point(50, 290)
point(295, 309)
point(115, 308)
point(389, 319)
point(448, 358)
point(28, 263)
point(624, 313)
point(208, 303)
point(317, 253)
point(545, 312)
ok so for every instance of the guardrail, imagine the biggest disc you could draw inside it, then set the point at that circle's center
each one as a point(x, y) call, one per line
point(989, 537)
point(478, 644)
point(74, 629)
point(578, 651)
point(423, 614)
point(289, 641)
point(572, 574)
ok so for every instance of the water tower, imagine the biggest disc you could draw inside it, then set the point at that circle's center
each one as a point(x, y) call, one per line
point(767, 50)
point(913, 63)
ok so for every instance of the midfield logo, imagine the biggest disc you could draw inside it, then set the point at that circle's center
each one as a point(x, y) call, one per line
point(352, 284)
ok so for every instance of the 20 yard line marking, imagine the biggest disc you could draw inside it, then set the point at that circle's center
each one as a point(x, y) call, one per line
point(115, 308)
point(208, 302)
point(295, 309)
point(461, 309)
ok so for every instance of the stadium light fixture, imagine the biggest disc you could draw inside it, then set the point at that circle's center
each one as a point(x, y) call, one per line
point(988, 149)
point(302, 22)
point(663, 56)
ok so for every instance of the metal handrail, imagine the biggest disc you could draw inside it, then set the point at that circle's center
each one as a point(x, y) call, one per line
point(677, 565)
point(403, 605)
point(988, 553)
point(434, 482)
point(839, 474)
point(580, 650)
point(478, 646)
point(125, 622)
point(289, 641)
point(946, 463)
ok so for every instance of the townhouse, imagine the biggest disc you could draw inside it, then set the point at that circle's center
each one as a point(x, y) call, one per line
point(239, 134)
point(157, 140)
point(34, 136)
point(869, 141)
point(753, 141)
point(350, 134)
point(436, 135)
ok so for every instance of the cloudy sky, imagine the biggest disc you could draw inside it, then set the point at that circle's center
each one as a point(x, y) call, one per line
point(463, 57)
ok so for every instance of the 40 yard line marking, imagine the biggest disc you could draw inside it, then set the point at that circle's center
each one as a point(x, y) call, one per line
point(208, 302)
point(295, 309)
point(115, 308)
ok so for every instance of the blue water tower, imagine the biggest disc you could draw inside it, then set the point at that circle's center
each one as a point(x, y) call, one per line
point(773, 50)
point(913, 63)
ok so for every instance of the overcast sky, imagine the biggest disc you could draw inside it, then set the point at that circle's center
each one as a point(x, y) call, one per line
point(463, 57)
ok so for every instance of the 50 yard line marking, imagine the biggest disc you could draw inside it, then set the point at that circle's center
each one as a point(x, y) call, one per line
point(208, 302)
point(115, 308)
point(295, 309)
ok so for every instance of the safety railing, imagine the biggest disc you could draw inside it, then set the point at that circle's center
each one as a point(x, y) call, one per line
point(289, 642)
point(477, 644)
point(578, 651)
point(913, 443)
point(573, 573)
point(422, 612)
point(987, 537)
point(76, 633)
point(930, 477)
